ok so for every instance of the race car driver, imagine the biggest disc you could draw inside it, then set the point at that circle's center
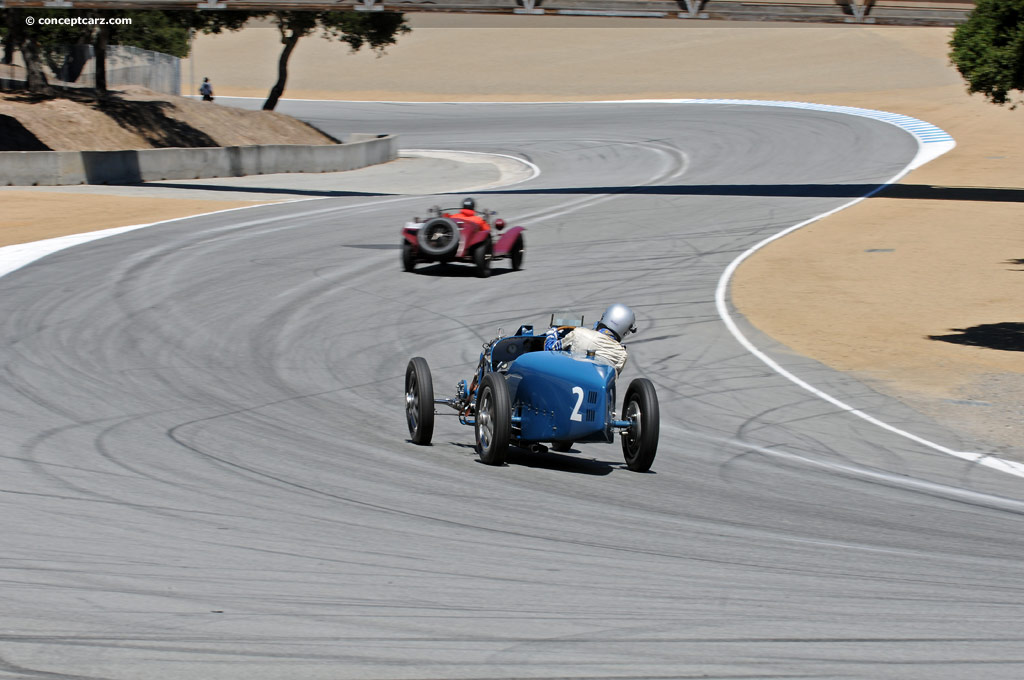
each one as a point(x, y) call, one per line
point(469, 214)
point(604, 340)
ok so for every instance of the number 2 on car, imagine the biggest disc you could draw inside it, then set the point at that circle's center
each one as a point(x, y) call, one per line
point(576, 415)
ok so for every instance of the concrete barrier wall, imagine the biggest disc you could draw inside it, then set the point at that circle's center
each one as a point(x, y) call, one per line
point(29, 168)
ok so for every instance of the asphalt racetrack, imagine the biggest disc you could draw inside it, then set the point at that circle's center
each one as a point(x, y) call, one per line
point(205, 470)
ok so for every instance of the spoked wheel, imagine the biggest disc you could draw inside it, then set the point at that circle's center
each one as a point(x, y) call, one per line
point(408, 261)
point(482, 259)
point(640, 441)
point(493, 419)
point(419, 401)
point(516, 254)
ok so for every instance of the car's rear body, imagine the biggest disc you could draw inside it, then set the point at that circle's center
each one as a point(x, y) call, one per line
point(446, 237)
point(467, 235)
point(560, 397)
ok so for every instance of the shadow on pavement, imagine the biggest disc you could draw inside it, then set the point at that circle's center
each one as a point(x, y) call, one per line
point(560, 462)
point(265, 190)
point(907, 191)
point(460, 269)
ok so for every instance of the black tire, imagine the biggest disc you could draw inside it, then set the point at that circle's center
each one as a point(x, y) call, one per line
point(482, 259)
point(493, 419)
point(419, 401)
point(516, 254)
point(438, 237)
point(640, 442)
point(561, 447)
point(408, 260)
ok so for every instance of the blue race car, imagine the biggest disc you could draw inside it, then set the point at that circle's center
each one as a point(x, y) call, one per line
point(525, 396)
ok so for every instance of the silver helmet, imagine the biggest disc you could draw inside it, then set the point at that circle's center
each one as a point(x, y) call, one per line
point(619, 319)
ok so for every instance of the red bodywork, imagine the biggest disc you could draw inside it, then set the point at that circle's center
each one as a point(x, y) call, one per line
point(498, 243)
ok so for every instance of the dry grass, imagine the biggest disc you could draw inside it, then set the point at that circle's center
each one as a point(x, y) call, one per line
point(135, 118)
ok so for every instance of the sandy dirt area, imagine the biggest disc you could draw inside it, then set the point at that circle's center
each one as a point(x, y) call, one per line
point(32, 215)
point(864, 290)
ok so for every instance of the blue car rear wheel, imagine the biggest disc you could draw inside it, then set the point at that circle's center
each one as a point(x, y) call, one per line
point(493, 419)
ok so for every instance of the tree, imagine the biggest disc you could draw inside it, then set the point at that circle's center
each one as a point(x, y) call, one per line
point(26, 37)
point(216, 21)
point(159, 31)
point(41, 43)
point(988, 49)
point(6, 32)
point(148, 30)
point(376, 29)
point(168, 32)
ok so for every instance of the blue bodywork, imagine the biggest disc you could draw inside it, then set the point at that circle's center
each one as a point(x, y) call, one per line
point(555, 395)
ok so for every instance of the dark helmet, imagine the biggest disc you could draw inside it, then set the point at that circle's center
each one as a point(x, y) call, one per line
point(469, 203)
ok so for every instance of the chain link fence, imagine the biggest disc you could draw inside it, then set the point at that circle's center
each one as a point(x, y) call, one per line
point(125, 66)
point(75, 66)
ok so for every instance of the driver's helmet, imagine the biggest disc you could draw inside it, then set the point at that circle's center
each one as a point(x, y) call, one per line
point(468, 204)
point(619, 319)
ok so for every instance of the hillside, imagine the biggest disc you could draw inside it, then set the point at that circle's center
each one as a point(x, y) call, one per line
point(136, 118)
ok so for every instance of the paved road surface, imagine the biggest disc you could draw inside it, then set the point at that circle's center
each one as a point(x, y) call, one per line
point(205, 472)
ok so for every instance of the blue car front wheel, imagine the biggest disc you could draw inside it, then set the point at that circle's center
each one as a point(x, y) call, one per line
point(419, 401)
point(640, 441)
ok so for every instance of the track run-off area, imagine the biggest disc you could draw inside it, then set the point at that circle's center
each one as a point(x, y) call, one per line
point(206, 470)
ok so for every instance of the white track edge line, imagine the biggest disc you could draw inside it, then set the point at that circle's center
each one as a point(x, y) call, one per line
point(927, 151)
point(938, 146)
point(18, 255)
point(534, 169)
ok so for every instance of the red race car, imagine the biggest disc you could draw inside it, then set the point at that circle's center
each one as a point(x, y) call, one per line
point(461, 235)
